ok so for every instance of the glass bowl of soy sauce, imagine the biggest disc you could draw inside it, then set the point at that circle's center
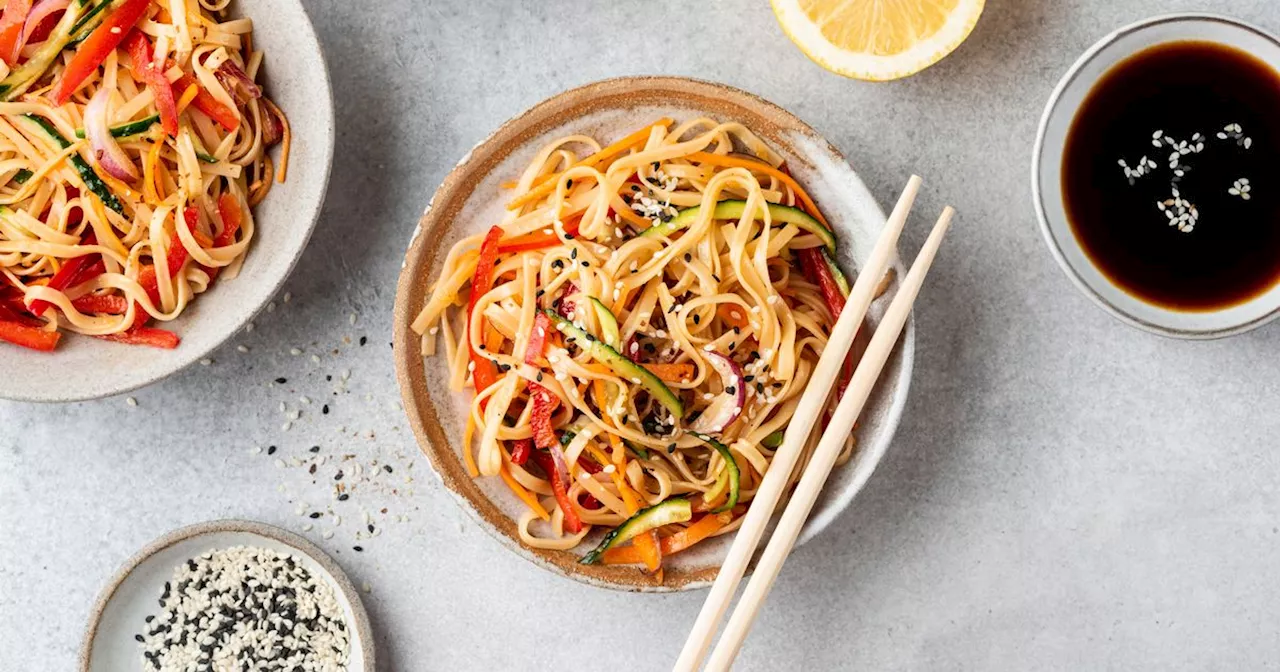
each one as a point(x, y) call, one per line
point(1156, 175)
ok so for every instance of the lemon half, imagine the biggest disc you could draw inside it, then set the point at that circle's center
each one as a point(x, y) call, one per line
point(877, 40)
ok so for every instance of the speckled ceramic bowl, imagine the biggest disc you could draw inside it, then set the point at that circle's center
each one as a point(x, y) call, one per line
point(470, 200)
point(296, 79)
point(131, 595)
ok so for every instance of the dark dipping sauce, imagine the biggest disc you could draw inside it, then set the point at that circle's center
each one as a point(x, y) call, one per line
point(1230, 252)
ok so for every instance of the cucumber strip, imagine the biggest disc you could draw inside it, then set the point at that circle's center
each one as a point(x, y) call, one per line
point(22, 176)
point(130, 129)
point(734, 210)
point(663, 513)
point(640, 452)
point(82, 28)
point(21, 79)
point(608, 324)
point(731, 466)
point(773, 440)
point(91, 179)
point(841, 281)
point(620, 364)
point(210, 159)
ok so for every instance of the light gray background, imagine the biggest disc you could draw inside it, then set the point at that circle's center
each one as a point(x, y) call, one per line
point(1065, 493)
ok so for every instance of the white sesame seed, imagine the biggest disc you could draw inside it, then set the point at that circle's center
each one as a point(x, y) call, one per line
point(352, 319)
point(1248, 142)
point(315, 358)
point(328, 534)
point(271, 307)
point(433, 331)
point(287, 297)
point(288, 425)
point(305, 400)
point(206, 362)
point(295, 352)
point(248, 328)
point(242, 348)
point(131, 401)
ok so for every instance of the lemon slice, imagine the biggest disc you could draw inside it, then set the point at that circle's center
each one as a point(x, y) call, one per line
point(877, 40)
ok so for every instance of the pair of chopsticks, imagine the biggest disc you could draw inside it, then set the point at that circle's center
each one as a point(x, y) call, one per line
point(802, 423)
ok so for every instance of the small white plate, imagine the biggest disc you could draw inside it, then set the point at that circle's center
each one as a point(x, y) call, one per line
point(1046, 173)
point(130, 597)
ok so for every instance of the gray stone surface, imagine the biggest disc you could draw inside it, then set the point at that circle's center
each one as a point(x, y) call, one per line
point(1065, 493)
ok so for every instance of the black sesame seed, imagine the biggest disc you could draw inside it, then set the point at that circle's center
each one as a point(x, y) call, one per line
point(573, 254)
point(316, 514)
point(688, 257)
point(696, 319)
point(343, 497)
point(271, 450)
point(671, 448)
point(748, 378)
point(568, 184)
point(568, 236)
point(328, 378)
point(656, 164)
point(364, 339)
point(338, 476)
point(324, 410)
point(370, 528)
point(585, 263)
point(358, 549)
point(759, 388)
point(314, 449)
point(139, 638)
point(731, 390)
point(281, 381)
point(387, 468)
point(312, 469)
point(539, 376)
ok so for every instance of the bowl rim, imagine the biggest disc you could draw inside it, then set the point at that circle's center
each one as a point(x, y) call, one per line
point(297, 542)
point(455, 190)
point(1038, 164)
point(183, 360)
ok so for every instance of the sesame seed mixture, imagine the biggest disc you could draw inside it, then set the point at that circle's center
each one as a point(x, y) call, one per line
point(245, 609)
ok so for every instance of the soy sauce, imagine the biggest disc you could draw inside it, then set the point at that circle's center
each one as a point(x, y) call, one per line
point(1197, 241)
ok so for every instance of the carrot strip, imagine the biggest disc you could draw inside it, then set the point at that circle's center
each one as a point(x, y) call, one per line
point(467, 457)
point(735, 162)
point(547, 184)
point(649, 549)
point(672, 373)
point(733, 315)
point(680, 541)
point(530, 500)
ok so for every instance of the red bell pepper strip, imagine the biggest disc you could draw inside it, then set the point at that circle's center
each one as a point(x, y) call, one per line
point(29, 337)
point(109, 304)
point(95, 49)
point(15, 312)
point(484, 373)
point(205, 102)
point(11, 23)
point(232, 217)
point(572, 523)
point(67, 276)
point(816, 270)
point(589, 465)
point(156, 338)
point(538, 339)
point(521, 451)
point(539, 239)
point(544, 403)
point(90, 272)
point(145, 69)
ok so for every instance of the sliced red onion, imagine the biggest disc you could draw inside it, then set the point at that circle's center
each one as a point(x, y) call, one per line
point(562, 464)
point(272, 124)
point(234, 80)
point(108, 152)
point(567, 308)
point(726, 407)
point(39, 13)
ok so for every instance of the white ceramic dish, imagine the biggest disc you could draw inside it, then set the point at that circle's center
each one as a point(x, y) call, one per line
point(130, 597)
point(1046, 173)
point(296, 79)
point(470, 200)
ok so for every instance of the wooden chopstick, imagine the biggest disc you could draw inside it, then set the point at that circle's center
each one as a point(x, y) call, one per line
point(824, 457)
point(806, 414)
